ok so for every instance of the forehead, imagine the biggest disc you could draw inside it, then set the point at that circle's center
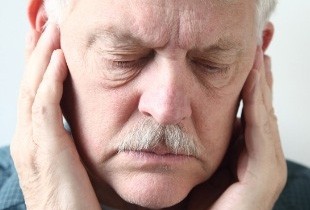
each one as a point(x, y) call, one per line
point(177, 22)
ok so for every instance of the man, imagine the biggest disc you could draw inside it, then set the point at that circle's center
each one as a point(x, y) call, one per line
point(150, 90)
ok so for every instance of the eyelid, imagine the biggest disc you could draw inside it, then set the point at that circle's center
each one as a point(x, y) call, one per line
point(132, 63)
point(126, 64)
point(123, 54)
point(211, 69)
point(223, 57)
point(209, 63)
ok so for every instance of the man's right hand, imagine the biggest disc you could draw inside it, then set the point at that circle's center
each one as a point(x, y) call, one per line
point(48, 165)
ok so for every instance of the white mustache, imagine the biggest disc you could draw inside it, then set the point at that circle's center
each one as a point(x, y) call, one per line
point(147, 135)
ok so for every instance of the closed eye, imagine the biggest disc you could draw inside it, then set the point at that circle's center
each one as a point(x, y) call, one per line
point(132, 63)
point(210, 67)
point(127, 64)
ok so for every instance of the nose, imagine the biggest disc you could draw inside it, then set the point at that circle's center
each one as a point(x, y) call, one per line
point(165, 96)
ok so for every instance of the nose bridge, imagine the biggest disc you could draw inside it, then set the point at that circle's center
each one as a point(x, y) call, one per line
point(166, 97)
point(170, 91)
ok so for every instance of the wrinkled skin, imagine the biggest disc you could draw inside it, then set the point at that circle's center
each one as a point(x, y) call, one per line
point(186, 63)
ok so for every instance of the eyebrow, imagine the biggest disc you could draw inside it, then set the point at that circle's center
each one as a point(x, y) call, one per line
point(225, 46)
point(128, 40)
point(114, 37)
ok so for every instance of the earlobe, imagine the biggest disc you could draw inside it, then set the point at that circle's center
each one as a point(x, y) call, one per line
point(267, 35)
point(36, 14)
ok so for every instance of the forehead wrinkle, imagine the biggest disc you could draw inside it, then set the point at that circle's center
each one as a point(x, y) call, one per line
point(120, 38)
point(155, 23)
point(113, 37)
point(185, 28)
point(197, 29)
point(217, 52)
point(148, 28)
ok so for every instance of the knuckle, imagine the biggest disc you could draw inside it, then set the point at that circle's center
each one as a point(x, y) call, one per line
point(22, 157)
point(40, 106)
point(26, 93)
point(271, 111)
point(39, 114)
point(260, 100)
point(267, 127)
point(39, 109)
point(272, 115)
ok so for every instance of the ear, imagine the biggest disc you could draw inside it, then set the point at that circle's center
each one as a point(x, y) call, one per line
point(36, 14)
point(267, 35)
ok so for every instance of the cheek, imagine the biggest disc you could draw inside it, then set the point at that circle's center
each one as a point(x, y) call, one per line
point(213, 119)
point(216, 122)
point(96, 115)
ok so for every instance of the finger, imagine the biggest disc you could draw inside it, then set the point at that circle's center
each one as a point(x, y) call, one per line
point(267, 95)
point(263, 157)
point(261, 134)
point(249, 92)
point(36, 67)
point(31, 42)
point(269, 77)
point(46, 111)
point(255, 114)
point(266, 83)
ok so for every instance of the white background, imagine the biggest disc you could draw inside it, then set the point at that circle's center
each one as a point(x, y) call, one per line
point(290, 52)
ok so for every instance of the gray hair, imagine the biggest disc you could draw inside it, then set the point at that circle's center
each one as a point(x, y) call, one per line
point(148, 135)
point(56, 9)
point(264, 9)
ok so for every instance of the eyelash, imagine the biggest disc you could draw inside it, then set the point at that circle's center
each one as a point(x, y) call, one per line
point(127, 64)
point(131, 64)
point(212, 68)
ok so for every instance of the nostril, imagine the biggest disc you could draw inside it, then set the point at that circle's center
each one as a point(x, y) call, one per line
point(146, 113)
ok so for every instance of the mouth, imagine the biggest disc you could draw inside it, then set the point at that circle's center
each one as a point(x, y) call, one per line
point(159, 150)
point(142, 153)
point(157, 156)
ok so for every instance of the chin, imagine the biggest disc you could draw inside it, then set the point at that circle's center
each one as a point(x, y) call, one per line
point(153, 191)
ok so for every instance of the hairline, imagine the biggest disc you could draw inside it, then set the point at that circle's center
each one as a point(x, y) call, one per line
point(55, 10)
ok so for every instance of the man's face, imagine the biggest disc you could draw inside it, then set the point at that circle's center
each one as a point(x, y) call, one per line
point(164, 63)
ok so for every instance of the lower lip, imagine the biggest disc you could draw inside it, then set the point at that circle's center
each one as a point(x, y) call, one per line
point(153, 158)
